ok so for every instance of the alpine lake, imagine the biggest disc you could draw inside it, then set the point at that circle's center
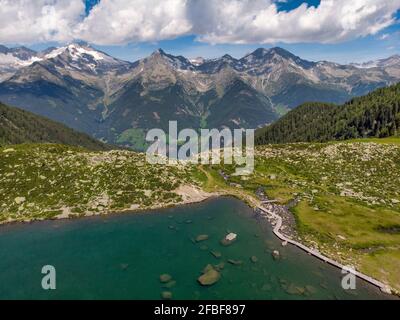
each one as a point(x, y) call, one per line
point(122, 256)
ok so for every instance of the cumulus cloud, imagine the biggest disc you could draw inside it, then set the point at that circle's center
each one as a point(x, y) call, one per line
point(26, 21)
point(122, 21)
point(259, 21)
point(212, 21)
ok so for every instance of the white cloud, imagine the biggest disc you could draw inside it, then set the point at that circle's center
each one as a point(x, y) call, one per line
point(25, 21)
point(213, 21)
point(122, 21)
point(258, 21)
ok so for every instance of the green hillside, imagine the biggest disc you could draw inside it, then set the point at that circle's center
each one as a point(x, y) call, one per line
point(374, 115)
point(19, 126)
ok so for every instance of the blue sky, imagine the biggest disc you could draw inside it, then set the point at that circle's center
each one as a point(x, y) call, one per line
point(194, 42)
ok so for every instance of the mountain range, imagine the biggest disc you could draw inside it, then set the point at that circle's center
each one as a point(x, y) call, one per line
point(117, 101)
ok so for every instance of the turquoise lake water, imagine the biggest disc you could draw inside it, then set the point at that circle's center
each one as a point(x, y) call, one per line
point(121, 256)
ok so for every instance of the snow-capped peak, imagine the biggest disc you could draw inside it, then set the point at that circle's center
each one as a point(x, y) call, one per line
point(76, 52)
point(378, 63)
point(197, 61)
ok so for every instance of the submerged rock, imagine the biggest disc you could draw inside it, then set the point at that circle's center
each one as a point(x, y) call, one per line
point(124, 266)
point(210, 277)
point(170, 284)
point(235, 262)
point(220, 266)
point(266, 287)
point(275, 254)
point(294, 290)
point(202, 237)
point(311, 289)
point(207, 268)
point(216, 254)
point(167, 295)
point(254, 259)
point(164, 278)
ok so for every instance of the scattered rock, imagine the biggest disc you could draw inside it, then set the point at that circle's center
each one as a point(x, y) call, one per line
point(19, 200)
point(284, 243)
point(164, 278)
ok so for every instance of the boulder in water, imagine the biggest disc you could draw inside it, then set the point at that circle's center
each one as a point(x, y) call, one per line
point(235, 262)
point(202, 237)
point(216, 254)
point(164, 278)
point(207, 268)
point(124, 266)
point(209, 277)
point(311, 289)
point(220, 266)
point(229, 239)
point(166, 295)
point(276, 254)
point(170, 284)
